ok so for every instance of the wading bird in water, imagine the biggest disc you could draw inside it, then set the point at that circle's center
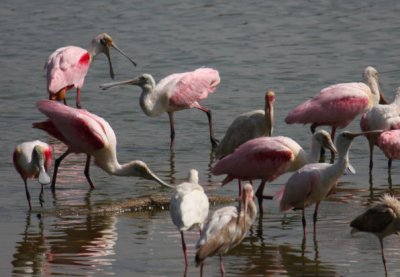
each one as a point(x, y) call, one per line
point(85, 132)
point(175, 92)
point(32, 159)
point(382, 220)
point(313, 182)
point(339, 104)
point(389, 143)
point(226, 229)
point(67, 66)
point(189, 207)
point(267, 158)
point(247, 126)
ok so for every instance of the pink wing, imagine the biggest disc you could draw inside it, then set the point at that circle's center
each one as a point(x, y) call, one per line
point(66, 67)
point(298, 188)
point(190, 87)
point(260, 158)
point(82, 131)
point(389, 143)
point(336, 105)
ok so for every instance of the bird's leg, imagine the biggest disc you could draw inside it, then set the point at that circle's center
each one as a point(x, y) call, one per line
point(371, 153)
point(184, 250)
point(28, 196)
point(303, 220)
point(259, 195)
point(57, 163)
point(315, 215)
point(214, 141)
point(41, 196)
point(333, 139)
point(221, 266)
point(383, 255)
point(390, 172)
point(78, 98)
point(171, 126)
point(87, 165)
point(201, 269)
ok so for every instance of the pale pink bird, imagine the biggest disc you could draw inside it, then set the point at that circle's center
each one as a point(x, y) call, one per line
point(189, 207)
point(389, 143)
point(381, 117)
point(32, 159)
point(85, 132)
point(226, 229)
point(67, 66)
point(247, 126)
point(313, 182)
point(339, 104)
point(175, 92)
point(383, 219)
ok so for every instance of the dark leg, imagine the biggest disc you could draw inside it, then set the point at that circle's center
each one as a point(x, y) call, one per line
point(383, 256)
point(259, 195)
point(78, 98)
point(57, 163)
point(184, 250)
point(221, 266)
point(390, 172)
point(201, 269)
point(371, 153)
point(87, 171)
point(41, 196)
point(315, 215)
point(303, 220)
point(28, 196)
point(214, 141)
point(171, 126)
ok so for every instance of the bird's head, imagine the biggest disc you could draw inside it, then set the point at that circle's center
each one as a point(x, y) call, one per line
point(345, 139)
point(323, 138)
point(145, 81)
point(141, 169)
point(39, 159)
point(371, 78)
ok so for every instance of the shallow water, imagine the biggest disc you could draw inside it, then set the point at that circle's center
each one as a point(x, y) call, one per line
point(293, 47)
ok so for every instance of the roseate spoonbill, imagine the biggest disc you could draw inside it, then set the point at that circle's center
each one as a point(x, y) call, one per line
point(381, 117)
point(267, 158)
point(175, 92)
point(339, 104)
point(68, 66)
point(32, 159)
point(226, 229)
point(389, 143)
point(85, 132)
point(383, 219)
point(189, 207)
point(313, 182)
point(254, 124)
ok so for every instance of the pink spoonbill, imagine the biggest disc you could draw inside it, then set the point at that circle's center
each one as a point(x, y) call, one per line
point(85, 132)
point(67, 66)
point(189, 207)
point(382, 117)
point(32, 159)
point(339, 104)
point(383, 219)
point(175, 92)
point(389, 143)
point(267, 158)
point(313, 182)
point(247, 126)
point(226, 229)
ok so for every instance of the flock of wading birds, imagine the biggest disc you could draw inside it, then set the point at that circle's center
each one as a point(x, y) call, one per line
point(248, 151)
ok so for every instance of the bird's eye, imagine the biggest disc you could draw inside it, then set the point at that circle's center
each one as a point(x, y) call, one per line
point(103, 41)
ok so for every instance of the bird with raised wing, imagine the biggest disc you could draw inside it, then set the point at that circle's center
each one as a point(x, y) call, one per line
point(32, 159)
point(175, 92)
point(226, 229)
point(85, 132)
point(67, 66)
point(247, 126)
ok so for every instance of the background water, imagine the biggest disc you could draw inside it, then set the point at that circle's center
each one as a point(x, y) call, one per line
point(293, 47)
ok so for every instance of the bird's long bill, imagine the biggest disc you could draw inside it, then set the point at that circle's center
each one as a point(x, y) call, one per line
point(151, 176)
point(117, 83)
point(331, 146)
point(382, 99)
point(123, 53)
point(107, 53)
point(374, 132)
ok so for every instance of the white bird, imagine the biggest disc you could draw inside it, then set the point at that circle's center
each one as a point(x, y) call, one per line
point(313, 182)
point(254, 124)
point(381, 117)
point(226, 229)
point(382, 220)
point(189, 207)
point(32, 159)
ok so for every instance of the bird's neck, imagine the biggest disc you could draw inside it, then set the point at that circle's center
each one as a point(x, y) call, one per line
point(269, 120)
point(373, 84)
point(339, 167)
point(149, 102)
point(251, 212)
point(315, 152)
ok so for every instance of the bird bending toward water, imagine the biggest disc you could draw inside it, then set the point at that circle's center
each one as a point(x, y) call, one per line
point(175, 92)
point(313, 182)
point(250, 125)
point(339, 104)
point(189, 207)
point(267, 158)
point(85, 132)
point(32, 159)
point(67, 66)
point(226, 229)
point(382, 220)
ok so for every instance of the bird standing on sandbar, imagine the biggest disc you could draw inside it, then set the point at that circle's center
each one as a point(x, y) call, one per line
point(175, 92)
point(67, 66)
